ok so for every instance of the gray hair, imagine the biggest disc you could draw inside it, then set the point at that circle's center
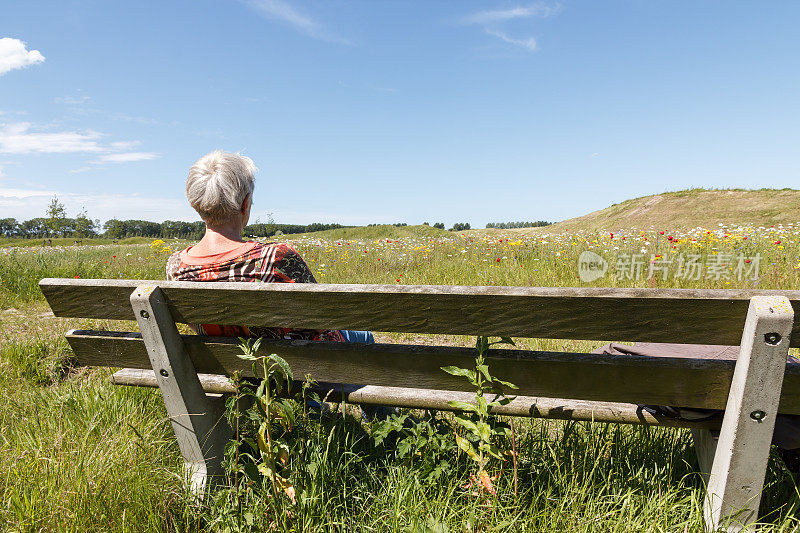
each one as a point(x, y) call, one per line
point(218, 184)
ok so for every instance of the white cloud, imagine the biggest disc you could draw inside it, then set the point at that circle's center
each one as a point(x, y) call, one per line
point(72, 100)
point(19, 194)
point(284, 12)
point(80, 170)
point(527, 42)
point(595, 154)
point(124, 145)
point(18, 139)
point(491, 22)
point(14, 55)
point(126, 157)
point(24, 204)
point(500, 15)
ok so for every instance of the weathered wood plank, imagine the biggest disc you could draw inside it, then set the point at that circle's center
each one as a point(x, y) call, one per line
point(646, 315)
point(198, 423)
point(742, 451)
point(697, 383)
point(557, 408)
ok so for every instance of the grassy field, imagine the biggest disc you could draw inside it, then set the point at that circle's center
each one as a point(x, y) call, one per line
point(78, 454)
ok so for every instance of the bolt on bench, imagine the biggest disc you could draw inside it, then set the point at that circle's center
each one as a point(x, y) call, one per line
point(191, 369)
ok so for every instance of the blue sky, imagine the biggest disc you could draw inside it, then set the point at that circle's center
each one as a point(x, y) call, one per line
point(394, 111)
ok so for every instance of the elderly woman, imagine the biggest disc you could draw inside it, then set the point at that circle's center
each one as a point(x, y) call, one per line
point(220, 188)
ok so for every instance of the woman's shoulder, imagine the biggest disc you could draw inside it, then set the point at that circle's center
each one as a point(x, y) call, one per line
point(280, 249)
point(173, 264)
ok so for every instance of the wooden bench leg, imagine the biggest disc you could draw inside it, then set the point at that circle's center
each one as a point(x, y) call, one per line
point(197, 420)
point(705, 446)
point(740, 461)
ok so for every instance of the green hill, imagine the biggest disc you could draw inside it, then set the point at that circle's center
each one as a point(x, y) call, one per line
point(692, 208)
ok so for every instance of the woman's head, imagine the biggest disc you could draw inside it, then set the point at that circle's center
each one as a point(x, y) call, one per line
point(220, 187)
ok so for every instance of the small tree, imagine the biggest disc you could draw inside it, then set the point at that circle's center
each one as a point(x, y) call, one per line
point(56, 217)
point(460, 226)
point(439, 225)
point(85, 226)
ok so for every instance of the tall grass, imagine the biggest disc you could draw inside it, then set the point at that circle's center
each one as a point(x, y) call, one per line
point(78, 454)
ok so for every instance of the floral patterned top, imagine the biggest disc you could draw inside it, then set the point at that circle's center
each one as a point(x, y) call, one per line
point(251, 262)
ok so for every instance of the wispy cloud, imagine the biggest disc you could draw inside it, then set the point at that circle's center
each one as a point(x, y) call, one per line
point(72, 100)
point(500, 15)
point(527, 42)
point(492, 22)
point(24, 203)
point(14, 54)
point(282, 11)
point(81, 170)
point(126, 157)
point(18, 139)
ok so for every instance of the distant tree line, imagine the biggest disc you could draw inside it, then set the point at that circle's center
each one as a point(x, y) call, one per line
point(58, 224)
point(270, 229)
point(511, 225)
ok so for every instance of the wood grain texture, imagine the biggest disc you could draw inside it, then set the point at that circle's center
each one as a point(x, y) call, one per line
point(199, 425)
point(742, 451)
point(700, 383)
point(645, 315)
point(556, 408)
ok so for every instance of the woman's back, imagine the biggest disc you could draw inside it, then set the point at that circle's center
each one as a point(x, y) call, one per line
point(250, 262)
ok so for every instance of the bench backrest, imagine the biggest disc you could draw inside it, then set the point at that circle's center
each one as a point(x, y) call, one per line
point(647, 315)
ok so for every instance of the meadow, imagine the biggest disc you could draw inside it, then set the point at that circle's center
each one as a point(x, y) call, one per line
point(78, 454)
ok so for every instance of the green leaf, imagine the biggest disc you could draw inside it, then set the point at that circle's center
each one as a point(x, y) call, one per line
point(463, 406)
point(507, 340)
point(286, 415)
point(261, 438)
point(492, 450)
point(469, 424)
point(251, 471)
point(484, 369)
point(481, 400)
point(461, 372)
point(284, 366)
point(505, 383)
point(404, 448)
point(466, 447)
point(484, 430)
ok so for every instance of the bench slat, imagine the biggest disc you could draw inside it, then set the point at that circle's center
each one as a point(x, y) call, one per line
point(700, 383)
point(643, 315)
point(562, 409)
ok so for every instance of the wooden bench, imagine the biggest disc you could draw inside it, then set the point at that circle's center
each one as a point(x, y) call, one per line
point(575, 386)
